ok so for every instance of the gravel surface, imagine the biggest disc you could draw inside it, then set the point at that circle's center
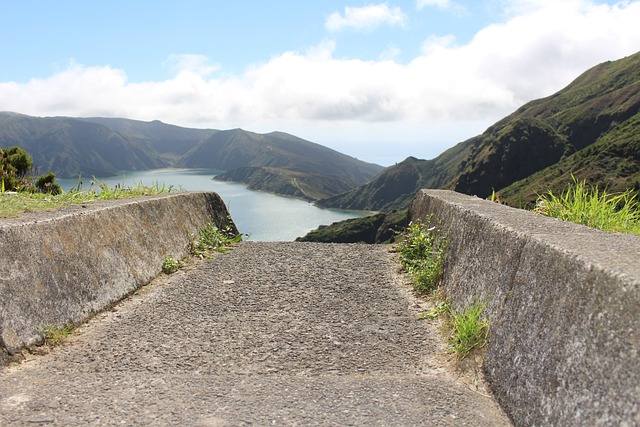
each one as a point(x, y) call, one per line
point(269, 333)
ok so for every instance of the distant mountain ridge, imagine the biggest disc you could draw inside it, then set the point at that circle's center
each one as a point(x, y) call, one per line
point(71, 147)
point(281, 162)
point(169, 141)
point(276, 162)
point(588, 129)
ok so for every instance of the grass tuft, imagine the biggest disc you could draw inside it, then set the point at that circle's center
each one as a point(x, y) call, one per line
point(171, 265)
point(593, 208)
point(55, 334)
point(212, 239)
point(468, 329)
point(422, 253)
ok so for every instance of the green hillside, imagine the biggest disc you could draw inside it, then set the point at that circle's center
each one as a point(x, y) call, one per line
point(612, 162)
point(379, 228)
point(588, 128)
point(169, 142)
point(72, 147)
point(287, 182)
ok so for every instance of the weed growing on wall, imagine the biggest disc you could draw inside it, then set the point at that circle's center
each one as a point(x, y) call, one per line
point(465, 329)
point(590, 207)
point(469, 330)
point(212, 239)
point(55, 334)
point(171, 265)
point(422, 252)
point(495, 197)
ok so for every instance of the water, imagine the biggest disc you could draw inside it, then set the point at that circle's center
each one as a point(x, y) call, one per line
point(265, 217)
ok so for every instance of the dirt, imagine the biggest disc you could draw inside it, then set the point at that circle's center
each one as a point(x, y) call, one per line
point(269, 333)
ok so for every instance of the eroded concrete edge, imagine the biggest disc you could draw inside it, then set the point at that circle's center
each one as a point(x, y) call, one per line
point(63, 267)
point(564, 304)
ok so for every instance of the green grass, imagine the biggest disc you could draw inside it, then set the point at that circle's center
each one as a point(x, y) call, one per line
point(597, 209)
point(55, 334)
point(422, 253)
point(212, 239)
point(12, 205)
point(171, 265)
point(468, 329)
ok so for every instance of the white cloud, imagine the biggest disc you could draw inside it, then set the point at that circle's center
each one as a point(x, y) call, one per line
point(447, 86)
point(390, 53)
point(442, 4)
point(190, 63)
point(366, 17)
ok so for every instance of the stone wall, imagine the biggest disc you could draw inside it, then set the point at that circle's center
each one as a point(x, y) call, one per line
point(62, 267)
point(564, 306)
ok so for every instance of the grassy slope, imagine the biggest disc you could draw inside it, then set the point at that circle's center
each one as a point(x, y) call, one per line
point(71, 147)
point(169, 141)
point(395, 187)
point(612, 163)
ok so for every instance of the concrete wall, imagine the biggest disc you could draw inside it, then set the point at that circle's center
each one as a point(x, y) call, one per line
point(61, 267)
point(564, 305)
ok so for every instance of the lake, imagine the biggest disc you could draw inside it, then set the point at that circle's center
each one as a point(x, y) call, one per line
point(264, 217)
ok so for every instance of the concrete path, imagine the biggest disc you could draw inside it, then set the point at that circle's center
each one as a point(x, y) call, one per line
point(267, 334)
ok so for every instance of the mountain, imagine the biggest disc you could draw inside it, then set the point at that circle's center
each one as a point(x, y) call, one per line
point(588, 129)
point(72, 147)
point(169, 142)
point(280, 163)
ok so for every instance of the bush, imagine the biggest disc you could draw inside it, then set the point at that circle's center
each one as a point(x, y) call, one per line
point(15, 163)
point(422, 253)
point(15, 166)
point(46, 184)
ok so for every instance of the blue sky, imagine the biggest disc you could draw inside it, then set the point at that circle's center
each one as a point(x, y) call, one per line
point(376, 80)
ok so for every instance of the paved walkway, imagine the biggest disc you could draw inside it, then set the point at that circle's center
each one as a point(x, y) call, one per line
point(269, 333)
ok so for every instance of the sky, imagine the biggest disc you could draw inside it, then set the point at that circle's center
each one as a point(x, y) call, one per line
point(377, 80)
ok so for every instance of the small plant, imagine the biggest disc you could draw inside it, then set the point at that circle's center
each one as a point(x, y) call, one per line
point(171, 265)
point(590, 207)
point(212, 239)
point(465, 330)
point(441, 307)
point(495, 197)
point(468, 329)
point(422, 253)
point(55, 334)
